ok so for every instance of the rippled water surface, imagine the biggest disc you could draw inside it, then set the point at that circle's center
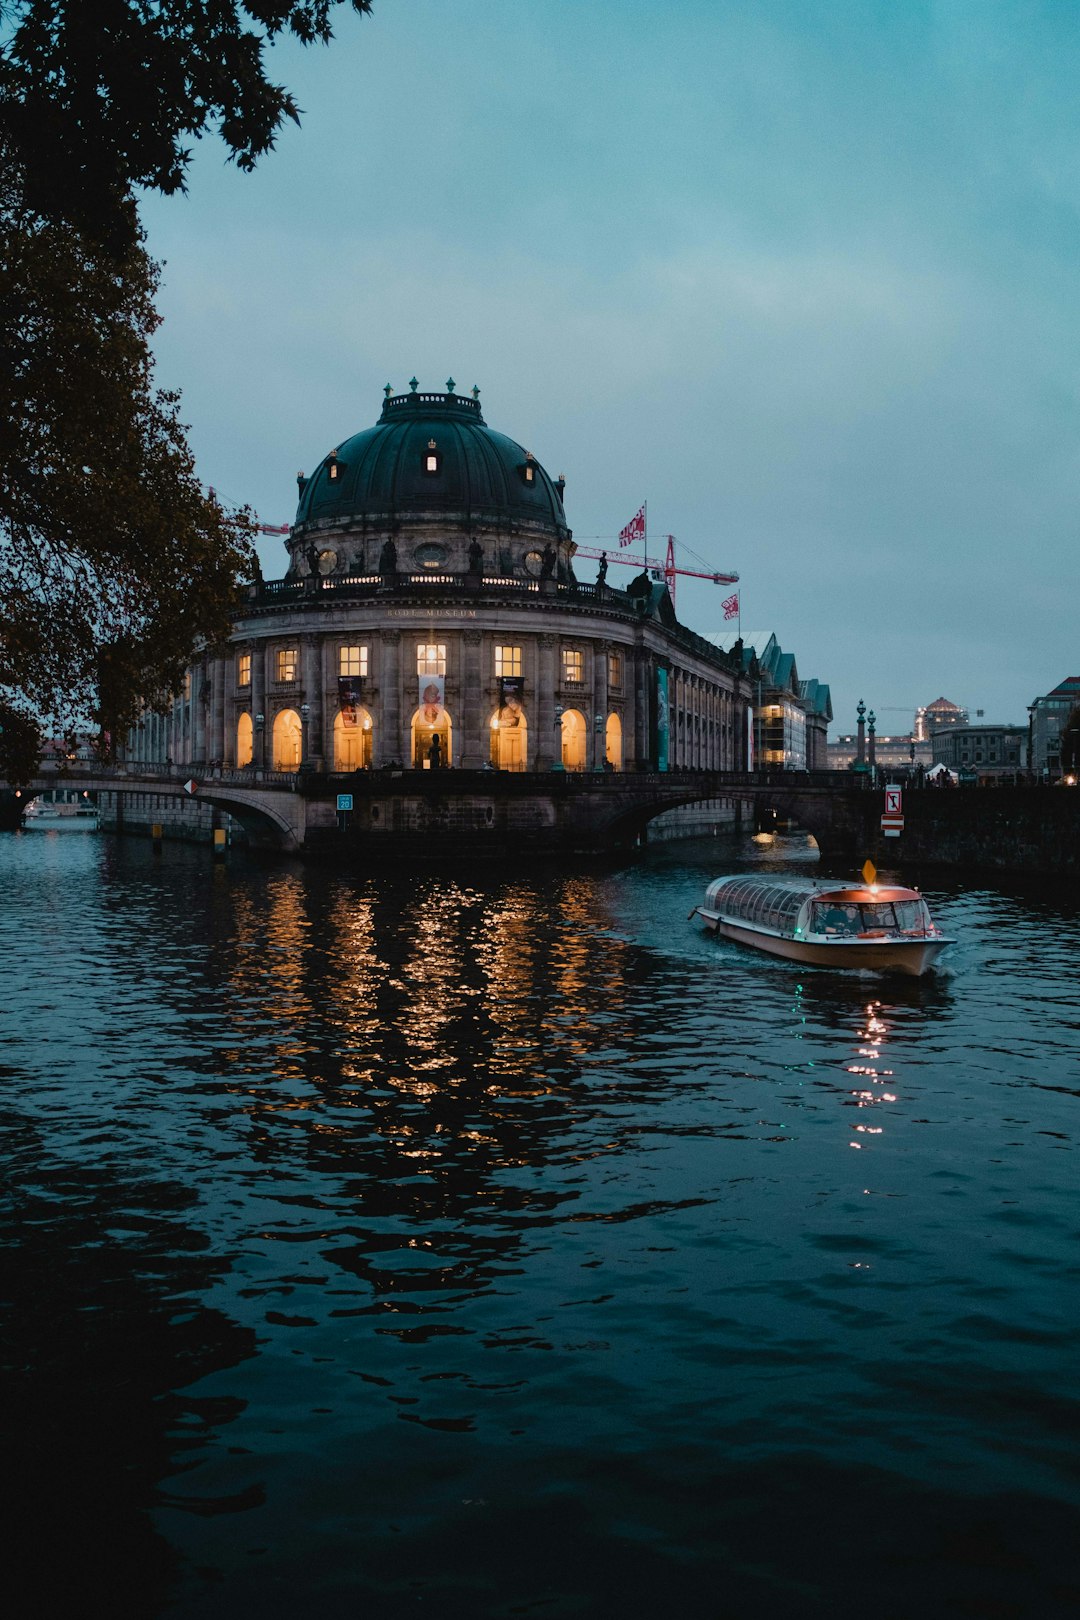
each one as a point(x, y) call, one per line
point(496, 1245)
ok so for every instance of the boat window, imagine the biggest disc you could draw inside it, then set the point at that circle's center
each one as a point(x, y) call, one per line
point(832, 917)
point(879, 916)
point(910, 918)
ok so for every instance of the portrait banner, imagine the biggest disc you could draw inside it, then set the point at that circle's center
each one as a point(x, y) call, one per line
point(662, 718)
point(432, 698)
point(350, 696)
point(511, 697)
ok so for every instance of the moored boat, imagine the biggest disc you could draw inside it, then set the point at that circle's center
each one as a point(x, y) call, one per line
point(61, 814)
point(825, 924)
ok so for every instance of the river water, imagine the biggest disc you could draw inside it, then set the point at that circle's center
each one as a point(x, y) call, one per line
point(499, 1245)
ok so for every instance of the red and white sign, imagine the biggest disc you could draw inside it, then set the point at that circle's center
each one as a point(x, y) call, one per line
point(191, 787)
point(893, 801)
point(892, 826)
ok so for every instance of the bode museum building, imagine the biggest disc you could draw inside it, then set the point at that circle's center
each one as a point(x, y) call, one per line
point(431, 617)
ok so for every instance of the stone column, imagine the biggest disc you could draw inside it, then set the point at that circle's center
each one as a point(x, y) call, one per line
point(471, 747)
point(221, 671)
point(390, 744)
point(259, 746)
point(311, 694)
point(326, 705)
point(642, 671)
point(543, 748)
point(599, 706)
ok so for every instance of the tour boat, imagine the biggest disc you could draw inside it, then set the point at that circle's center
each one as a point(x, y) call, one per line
point(825, 924)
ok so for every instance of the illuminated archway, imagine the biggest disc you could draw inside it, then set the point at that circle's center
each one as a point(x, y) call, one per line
point(244, 740)
point(574, 734)
point(424, 755)
point(510, 738)
point(352, 744)
point(287, 741)
point(613, 742)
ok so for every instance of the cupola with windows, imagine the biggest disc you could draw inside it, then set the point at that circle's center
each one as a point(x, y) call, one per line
point(446, 491)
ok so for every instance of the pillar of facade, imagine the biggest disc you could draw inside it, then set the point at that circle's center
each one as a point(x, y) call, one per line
point(472, 747)
point(642, 671)
point(259, 734)
point(544, 748)
point(598, 712)
point(219, 667)
point(326, 703)
point(311, 694)
point(390, 746)
point(200, 697)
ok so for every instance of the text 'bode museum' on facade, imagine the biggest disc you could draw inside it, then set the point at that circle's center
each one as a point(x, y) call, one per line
point(431, 618)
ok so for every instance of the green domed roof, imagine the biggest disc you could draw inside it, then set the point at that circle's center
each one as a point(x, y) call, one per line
point(431, 454)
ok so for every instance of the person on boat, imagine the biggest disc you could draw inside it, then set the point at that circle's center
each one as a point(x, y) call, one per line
point(841, 920)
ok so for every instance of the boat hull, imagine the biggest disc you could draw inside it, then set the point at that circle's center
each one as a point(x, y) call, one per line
point(64, 824)
point(912, 956)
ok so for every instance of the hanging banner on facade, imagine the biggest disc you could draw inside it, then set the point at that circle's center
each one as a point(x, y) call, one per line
point(661, 719)
point(511, 698)
point(350, 696)
point(432, 699)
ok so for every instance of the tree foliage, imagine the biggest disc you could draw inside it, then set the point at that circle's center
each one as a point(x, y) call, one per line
point(114, 564)
point(99, 96)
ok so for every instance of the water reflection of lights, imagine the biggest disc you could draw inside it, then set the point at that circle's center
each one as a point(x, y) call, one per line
point(873, 1076)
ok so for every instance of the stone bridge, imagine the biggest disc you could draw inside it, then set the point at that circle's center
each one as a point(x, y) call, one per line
point(452, 811)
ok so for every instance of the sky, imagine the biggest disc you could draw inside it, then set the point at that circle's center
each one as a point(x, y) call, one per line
point(802, 276)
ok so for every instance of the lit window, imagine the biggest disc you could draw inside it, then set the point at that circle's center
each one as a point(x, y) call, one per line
point(332, 467)
point(573, 666)
point(431, 658)
point(614, 669)
point(286, 664)
point(431, 458)
point(243, 670)
point(352, 660)
point(508, 660)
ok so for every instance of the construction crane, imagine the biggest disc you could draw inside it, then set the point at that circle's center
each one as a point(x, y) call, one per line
point(667, 568)
point(260, 526)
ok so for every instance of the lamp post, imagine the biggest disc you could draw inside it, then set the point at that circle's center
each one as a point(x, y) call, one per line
point(257, 751)
point(557, 765)
point(305, 715)
point(598, 742)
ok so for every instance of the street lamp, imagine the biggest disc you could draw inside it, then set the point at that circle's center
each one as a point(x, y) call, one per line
point(558, 764)
point(598, 749)
point(305, 713)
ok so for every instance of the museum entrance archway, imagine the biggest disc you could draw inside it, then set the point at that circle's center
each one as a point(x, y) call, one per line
point(288, 741)
point(574, 733)
point(352, 741)
point(509, 739)
point(244, 745)
point(613, 743)
point(432, 741)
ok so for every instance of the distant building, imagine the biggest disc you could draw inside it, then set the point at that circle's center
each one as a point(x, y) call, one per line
point(936, 716)
point(790, 716)
point(1055, 728)
point(892, 753)
point(985, 750)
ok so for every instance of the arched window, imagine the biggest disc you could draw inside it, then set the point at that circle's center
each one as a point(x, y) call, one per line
point(243, 740)
point(613, 742)
point(574, 733)
point(352, 742)
point(426, 751)
point(287, 741)
point(510, 738)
